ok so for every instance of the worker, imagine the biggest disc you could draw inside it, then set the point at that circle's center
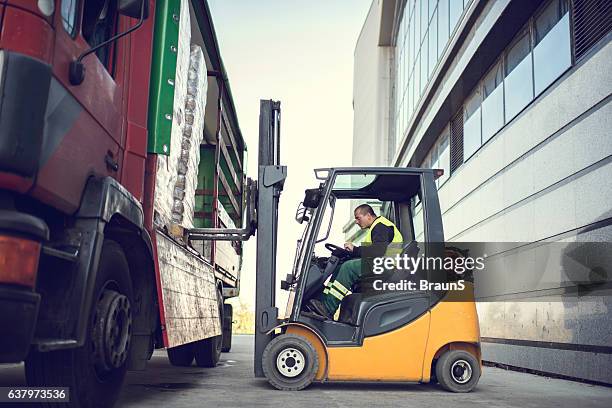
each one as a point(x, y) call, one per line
point(381, 232)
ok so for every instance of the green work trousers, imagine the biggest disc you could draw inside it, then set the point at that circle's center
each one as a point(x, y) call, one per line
point(340, 286)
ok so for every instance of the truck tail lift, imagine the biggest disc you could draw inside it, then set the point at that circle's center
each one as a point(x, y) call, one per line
point(408, 336)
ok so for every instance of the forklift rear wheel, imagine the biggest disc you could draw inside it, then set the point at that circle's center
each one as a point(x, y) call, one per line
point(94, 372)
point(228, 317)
point(208, 351)
point(290, 362)
point(181, 356)
point(458, 371)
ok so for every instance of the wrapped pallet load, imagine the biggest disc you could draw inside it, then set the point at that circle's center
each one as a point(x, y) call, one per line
point(167, 165)
point(188, 288)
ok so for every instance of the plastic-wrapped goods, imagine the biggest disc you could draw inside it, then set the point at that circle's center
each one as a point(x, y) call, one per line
point(192, 135)
point(167, 171)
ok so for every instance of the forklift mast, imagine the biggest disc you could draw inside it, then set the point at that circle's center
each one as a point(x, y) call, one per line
point(262, 199)
point(271, 177)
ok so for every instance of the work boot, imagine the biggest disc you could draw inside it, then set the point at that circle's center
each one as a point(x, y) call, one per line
point(317, 307)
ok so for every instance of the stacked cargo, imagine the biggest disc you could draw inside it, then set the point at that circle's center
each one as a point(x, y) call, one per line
point(188, 286)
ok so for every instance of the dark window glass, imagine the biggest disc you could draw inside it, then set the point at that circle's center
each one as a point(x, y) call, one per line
point(548, 18)
point(472, 138)
point(552, 54)
point(493, 103)
point(444, 156)
point(68, 9)
point(519, 78)
point(99, 24)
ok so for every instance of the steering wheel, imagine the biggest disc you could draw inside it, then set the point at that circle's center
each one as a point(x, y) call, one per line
point(338, 251)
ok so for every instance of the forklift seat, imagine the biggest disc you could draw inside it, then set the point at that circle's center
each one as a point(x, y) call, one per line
point(355, 306)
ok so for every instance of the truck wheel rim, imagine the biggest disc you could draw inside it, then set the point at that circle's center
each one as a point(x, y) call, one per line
point(290, 362)
point(112, 331)
point(461, 371)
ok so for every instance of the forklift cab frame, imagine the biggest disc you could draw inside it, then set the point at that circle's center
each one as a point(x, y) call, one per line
point(392, 185)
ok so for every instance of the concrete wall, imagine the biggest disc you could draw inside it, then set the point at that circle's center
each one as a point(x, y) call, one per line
point(371, 93)
point(546, 175)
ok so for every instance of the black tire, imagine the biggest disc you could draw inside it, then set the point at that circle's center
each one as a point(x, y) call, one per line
point(228, 317)
point(458, 371)
point(91, 375)
point(273, 360)
point(208, 351)
point(181, 356)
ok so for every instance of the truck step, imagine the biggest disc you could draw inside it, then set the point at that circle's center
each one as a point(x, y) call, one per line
point(54, 344)
point(70, 256)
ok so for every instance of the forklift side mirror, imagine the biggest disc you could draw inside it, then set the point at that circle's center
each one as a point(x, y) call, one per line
point(312, 198)
point(133, 8)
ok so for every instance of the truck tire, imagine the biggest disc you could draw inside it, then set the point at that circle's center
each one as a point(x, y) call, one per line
point(290, 362)
point(208, 351)
point(181, 356)
point(228, 317)
point(94, 372)
point(458, 371)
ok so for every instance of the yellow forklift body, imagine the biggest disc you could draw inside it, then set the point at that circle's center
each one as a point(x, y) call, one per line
point(404, 354)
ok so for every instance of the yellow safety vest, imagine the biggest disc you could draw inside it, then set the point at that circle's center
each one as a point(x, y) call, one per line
point(396, 243)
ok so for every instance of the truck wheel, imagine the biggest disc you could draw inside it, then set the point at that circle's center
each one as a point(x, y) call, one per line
point(458, 371)
point(181, 356)
point(208, 351)
point(228, 317)
point(290, 362)
point(94, 372)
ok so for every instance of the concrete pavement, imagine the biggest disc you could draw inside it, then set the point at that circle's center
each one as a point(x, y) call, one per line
point(232, 384)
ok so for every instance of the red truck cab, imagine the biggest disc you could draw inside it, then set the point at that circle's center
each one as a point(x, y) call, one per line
point(72, 176)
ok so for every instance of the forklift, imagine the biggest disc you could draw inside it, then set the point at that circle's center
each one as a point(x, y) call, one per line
point(424, 336)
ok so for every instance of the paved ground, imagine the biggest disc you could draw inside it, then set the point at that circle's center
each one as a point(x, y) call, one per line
point(232, 385)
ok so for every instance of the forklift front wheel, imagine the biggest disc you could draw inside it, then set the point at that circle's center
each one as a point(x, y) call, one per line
point(290, 362)
point(458, 371)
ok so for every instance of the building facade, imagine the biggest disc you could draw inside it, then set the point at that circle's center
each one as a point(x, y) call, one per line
point(512, 99)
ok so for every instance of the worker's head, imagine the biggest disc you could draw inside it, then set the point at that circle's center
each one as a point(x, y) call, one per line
point(364, 216)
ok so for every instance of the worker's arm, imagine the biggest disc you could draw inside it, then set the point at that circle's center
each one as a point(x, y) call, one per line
point(381, 237)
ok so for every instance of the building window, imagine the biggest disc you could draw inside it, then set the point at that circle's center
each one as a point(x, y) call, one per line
point(472, 138)
point(439, 156)
point(433, 42)
point(519, 83)
point(424, 31)
point(68, 11)
point(456, 9)
point(443, 31)
point(493, 103)
point(552, 53)
point(444, 156)
point(522, 72)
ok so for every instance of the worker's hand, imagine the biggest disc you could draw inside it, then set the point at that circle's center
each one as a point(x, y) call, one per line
point(348, 246)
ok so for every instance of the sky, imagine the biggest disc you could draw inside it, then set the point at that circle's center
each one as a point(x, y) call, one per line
point(301, 53)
